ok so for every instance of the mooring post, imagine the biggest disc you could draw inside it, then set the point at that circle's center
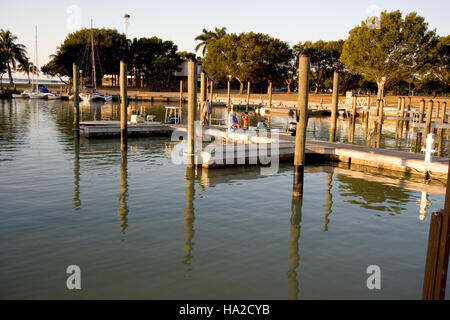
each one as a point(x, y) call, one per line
point(438, 252)
point(211, 83)
point(429, 116)
point(76, 102)
point(377, 107)
point(354, 107)
point(181, 93)
point(270, 94)
point(302, 119)
point(421, 110)
point(334, 106)
point(248, 96)
point(192, 98)
point(399, 103)
point(123, 105)
point(443, 112)
point(380, 117)
point(229, 96)
point(202, 88)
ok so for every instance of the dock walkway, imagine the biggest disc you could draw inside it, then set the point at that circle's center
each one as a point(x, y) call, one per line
point(253, 148)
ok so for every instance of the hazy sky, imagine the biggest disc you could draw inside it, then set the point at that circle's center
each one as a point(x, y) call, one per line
point(181, 21)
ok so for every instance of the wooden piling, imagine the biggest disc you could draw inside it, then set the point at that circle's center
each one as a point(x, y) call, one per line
point(123, 105)
point(354, 107)
point(181, 93)
point(202, 88)
point(192, 98)
point(211, 83)
point(429, 116)
point(229, 96)
point(248, 96)
point(380, 117)
point(76, 100)
point(334, 107)
point(443, 112)
point(421, 110)
point(270, 94)
point(436, 266)
point(302, 113)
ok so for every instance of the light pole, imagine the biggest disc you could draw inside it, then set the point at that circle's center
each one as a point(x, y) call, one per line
point(127, 17)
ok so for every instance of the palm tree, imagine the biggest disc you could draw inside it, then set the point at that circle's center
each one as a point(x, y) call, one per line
point(27, 67)
point(207, 36)
point(13, 52)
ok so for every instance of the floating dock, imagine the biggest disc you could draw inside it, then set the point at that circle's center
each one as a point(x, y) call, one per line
point(258, 148)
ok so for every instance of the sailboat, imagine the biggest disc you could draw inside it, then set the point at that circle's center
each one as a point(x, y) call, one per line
point(40, 91)
point(90, 93)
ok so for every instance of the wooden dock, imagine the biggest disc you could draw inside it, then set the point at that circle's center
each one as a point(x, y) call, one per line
point(258, 148)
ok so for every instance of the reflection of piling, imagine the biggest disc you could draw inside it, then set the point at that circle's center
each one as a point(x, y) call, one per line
point(76, 176)
point(192, 93)
point(294, 256)
point(329, 203)
point(123, 196)
point(334, 106)
point(354, 107)
point(429, 116)
point(189, 215)
point(123, 105)
point(302, 113)
point(76, 100)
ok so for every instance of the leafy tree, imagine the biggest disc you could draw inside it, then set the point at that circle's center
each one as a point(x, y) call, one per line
point(209, 36)
point(324, 60)
point(398, 48)
point(11, 51)
point(109, 48)
point(184, 55)
point(155, 60)
point(249, 56)
point(440, 67)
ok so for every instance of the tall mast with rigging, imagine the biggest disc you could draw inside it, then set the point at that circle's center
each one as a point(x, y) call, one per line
point(94, 78)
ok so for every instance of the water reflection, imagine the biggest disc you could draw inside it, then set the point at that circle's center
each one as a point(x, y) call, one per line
point(123, 196)
point(189, 217)
point(76, 176)
point(329, 202)
point(294, 256)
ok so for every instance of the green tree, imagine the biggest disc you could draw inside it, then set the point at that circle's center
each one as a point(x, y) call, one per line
point(155, 61)
point(440, 66)
point(249, 56)
point(12, 52)
point(209, 36)
point(324, 60)
point(109, 48)
point(397, 48)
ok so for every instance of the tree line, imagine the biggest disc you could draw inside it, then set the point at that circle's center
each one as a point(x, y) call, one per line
point(399, 53)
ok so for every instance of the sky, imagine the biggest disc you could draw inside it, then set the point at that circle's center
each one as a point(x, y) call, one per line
point(181, 21)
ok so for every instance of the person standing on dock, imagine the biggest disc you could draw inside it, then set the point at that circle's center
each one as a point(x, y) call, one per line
point(206, 112)
point(245, 120)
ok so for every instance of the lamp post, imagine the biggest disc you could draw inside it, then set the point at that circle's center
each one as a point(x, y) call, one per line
point(127, 17)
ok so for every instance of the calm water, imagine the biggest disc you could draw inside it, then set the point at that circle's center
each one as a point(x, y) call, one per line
point(142, 227)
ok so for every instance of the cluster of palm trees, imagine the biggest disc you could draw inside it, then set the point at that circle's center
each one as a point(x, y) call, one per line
point(13, 57)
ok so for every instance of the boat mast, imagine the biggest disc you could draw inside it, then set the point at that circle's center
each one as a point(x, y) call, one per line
point(36, 75)
point(94, 79)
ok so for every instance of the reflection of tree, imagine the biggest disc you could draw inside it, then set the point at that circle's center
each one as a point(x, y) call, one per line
point(123, 196)
point(294, 256)
point(13, 120)
point(189, 216)
point(375, 195)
